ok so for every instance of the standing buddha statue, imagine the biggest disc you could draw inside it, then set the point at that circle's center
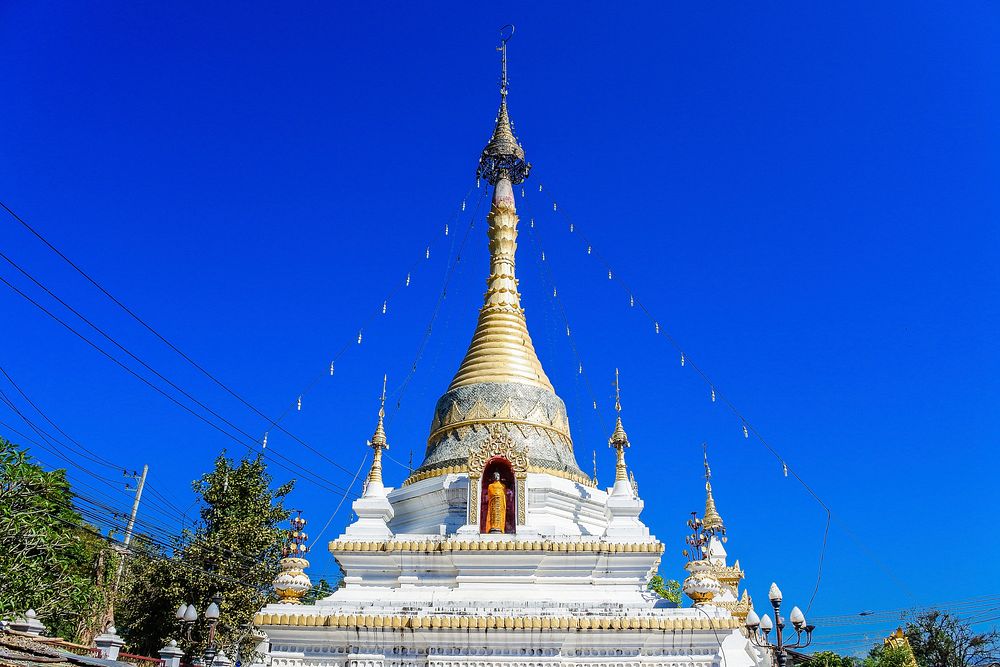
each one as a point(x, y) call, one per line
point(496, 505)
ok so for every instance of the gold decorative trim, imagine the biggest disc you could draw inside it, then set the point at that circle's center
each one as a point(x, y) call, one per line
point(494, 622)
point(447, 428)
point(498, 444)
point(433, 546)
point(738, 608)
point(728, 575)
point(462, 469)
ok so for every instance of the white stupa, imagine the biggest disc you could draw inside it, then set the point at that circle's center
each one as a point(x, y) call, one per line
point(498, 549)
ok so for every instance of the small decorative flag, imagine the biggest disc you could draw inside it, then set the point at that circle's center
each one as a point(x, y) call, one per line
point(746, 433)
point(581, 369)
point(522, 193)
point(631, 301)
point(463, 204)
point(331, 368)
point(656, 325)
point(385, 304)
point(407, 280)
point(300, 403)
point(682, 358)
point(589, 249)
point(543, 255)
point(554, 293)
point(713, 394)
point(554, 206)
point(571, 228)
point(539, 187)
point(567, 329)
point(532, 223)
point(264, 446)
point(595, 405)
point(427, 253)
point(360, 331)
point(609, 274)
point(446, 229)
point(784, 468)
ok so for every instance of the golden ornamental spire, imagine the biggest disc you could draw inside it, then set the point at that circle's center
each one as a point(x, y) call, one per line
point(619, 439)
point(378, 441)
point(712, 520)
point(501, 349)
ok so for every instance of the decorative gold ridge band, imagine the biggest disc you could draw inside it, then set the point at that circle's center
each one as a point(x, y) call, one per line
point(464, 469)
point(429, 546)
point(497, 420)
point(501, 348)
point(493, 622)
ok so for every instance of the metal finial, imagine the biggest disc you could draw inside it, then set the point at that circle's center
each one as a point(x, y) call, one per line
point(503, 156)
point(503, 56)
point(618, 395)
point(381, 407)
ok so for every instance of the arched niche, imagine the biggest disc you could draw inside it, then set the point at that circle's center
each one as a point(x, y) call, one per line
point(501, 466)
point(498, 444)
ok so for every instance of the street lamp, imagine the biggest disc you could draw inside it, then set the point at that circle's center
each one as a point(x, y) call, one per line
point(212, 616)
point(760, 628)
point(187, 615)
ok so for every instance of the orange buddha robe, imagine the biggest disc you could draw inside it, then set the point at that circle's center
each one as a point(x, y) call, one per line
point(496, 507)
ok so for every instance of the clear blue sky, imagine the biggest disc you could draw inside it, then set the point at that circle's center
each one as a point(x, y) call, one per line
point(806, 197)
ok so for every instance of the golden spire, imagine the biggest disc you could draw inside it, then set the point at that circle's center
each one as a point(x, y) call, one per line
point(712, 520)
point(378, 441)
point(501, 348)
point(619, 439)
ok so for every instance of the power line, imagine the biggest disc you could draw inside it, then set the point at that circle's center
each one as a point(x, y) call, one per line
point(199, 367)
point(307, 475)
point(145, 365)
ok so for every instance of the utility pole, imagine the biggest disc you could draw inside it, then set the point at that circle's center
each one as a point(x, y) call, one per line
point(131, 519)
point(125, 542)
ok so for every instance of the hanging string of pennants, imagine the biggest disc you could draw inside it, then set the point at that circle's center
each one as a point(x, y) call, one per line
point(382, 309)
point(421, 348)
point(684, 359)
point(715, 395)
point(551, 286)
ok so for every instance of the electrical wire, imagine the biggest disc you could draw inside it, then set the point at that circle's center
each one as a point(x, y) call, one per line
point(291, 465)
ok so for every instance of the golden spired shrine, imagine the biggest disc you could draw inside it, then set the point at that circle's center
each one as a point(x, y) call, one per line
point(498, 550)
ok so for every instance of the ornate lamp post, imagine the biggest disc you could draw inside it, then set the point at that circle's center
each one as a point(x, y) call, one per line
point(187, 615)
point(760, 628)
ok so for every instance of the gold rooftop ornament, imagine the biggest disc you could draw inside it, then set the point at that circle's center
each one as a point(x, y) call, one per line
point(619, 439)
point(292, 582)
point(712, 523)
point(378, 441)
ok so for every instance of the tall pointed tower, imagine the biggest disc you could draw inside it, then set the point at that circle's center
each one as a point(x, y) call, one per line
point(498, 550)
point(500, 386)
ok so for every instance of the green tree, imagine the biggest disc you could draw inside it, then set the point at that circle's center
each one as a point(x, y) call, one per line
point(51, 560)
point(939, 639)
point(669, 589)
point(233, 551)
point(831, 659)
point(318, 592)
point(888, 655)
